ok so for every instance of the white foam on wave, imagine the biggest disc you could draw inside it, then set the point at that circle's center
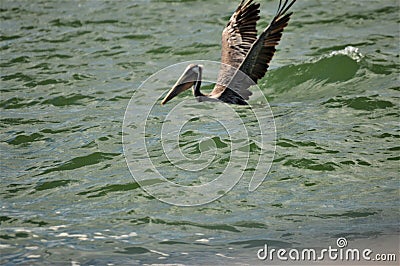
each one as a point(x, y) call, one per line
point(351, 51)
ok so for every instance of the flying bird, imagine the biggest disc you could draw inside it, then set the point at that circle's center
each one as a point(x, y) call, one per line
point(245, 57)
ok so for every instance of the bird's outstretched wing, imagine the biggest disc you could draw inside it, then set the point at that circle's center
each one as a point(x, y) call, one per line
point(240, 33)
point(237, 37)
point(256, 63)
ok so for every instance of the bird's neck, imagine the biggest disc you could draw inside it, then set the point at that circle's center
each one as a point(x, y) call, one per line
point(196, 87)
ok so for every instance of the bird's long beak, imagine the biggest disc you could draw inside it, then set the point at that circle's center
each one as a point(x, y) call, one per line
point(176, 89)
point(186, 81)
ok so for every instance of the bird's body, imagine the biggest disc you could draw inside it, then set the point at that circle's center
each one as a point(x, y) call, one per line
point(245, 56)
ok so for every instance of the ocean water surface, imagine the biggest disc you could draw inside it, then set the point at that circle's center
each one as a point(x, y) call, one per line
point(68, 71)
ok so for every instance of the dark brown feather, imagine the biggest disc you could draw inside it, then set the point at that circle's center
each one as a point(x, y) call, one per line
point(259, 56)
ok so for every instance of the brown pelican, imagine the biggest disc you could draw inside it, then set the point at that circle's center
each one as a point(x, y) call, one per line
point(243, 55)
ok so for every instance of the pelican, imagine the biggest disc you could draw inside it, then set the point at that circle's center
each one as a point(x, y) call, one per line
point(245, 57)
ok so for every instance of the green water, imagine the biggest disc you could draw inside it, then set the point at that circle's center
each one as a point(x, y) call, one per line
point(68, 71)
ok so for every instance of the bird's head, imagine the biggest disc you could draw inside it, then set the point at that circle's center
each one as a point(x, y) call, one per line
point(189, 78)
